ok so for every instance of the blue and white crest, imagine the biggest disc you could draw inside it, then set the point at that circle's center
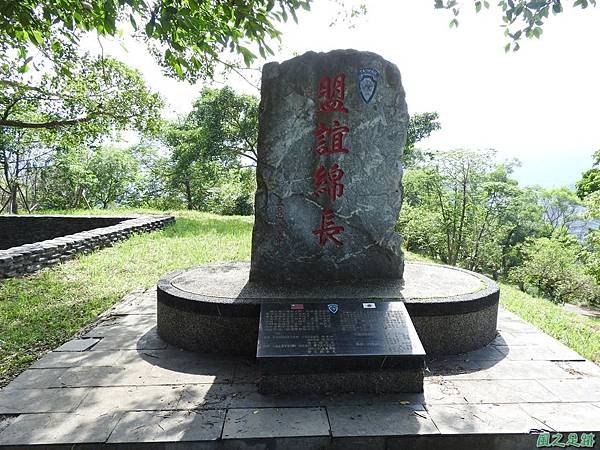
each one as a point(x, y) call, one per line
point(333, 308)
point(367, 83)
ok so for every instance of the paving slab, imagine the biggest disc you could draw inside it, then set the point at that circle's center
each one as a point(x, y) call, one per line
point(580, 369)
point(248, 423)
point(516, 326)
point(20, 401)
point(485, 418)
point(5, 421)
point(78, 345)
point(96, 358)
point(487, 353)
point(168, 426)
point(380, 420)
point(566, 416)
point(122, 339)
point(58, 428)
point(36, 379)
point(439, 391)
point(135, 303)
point(499, 370)
point(505, 338)
point(585, 389)
point(539, 352)
point(92, 376)
point(129, 322)
point(504, 391)
point(209, 396)
point(102, 400)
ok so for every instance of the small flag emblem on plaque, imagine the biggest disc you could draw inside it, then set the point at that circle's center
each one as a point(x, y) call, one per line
point(297, 306)
point(369, 305)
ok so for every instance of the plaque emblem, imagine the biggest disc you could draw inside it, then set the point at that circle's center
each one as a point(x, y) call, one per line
point(367, 83)
point(333, 308)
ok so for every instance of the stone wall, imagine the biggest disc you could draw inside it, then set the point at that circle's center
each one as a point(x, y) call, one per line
point(99, 232)
point(19, 230)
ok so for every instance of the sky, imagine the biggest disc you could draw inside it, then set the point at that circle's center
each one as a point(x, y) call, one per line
point(539, 105)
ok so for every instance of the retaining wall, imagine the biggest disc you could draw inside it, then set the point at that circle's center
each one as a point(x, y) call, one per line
point(99, 232)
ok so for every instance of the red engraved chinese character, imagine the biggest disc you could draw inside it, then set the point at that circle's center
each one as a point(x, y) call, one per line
point(331, 93)
point(327, 181)
point(328, 229)
point(337, 133)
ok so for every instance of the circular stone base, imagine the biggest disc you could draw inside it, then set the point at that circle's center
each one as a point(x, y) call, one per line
point(214, 308)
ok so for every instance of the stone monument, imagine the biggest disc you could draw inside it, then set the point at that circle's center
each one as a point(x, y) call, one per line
point(327, 303)
point(332, 130)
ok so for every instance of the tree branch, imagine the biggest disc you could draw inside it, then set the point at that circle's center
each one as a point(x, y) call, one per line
point(38, 125)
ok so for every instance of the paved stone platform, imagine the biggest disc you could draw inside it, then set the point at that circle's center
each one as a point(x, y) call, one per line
point(120, 385)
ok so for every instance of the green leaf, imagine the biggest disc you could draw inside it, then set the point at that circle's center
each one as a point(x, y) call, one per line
point(178, 69)
point(36, 37)
point(453, 23)
point(150, 27)
point(133, 22)
point(478, 6)
point(247, 54)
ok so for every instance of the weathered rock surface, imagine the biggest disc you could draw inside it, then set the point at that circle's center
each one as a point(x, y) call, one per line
point(299, 209)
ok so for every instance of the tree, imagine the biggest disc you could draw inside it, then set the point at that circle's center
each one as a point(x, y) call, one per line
point(554, 267)
point(45, 113)
point(113, 169)
point(463, 209)
point(219, 134)
point(420, 126)
point(522, 219)
point(590, 179)
point(229, 124)
point(65, 181)
point(186, 36)
point(522, 18)
point(560, 207)
point(98, 96)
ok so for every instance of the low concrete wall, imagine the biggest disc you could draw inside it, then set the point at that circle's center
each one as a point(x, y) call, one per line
point(28, 258)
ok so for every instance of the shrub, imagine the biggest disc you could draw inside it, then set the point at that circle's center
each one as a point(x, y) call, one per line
point(553, 268)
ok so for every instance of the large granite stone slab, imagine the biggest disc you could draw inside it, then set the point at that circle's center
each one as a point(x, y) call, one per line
point(566, 416)
point(27, 401)
point(168, 426)
point(486, 418)
point(275, 422)
point(104, 400)
point(331, 134)
point(58, 428)
point(380, 420)
point(77, 345)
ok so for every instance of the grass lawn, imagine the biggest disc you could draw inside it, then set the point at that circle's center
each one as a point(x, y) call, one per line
point(41, 311)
